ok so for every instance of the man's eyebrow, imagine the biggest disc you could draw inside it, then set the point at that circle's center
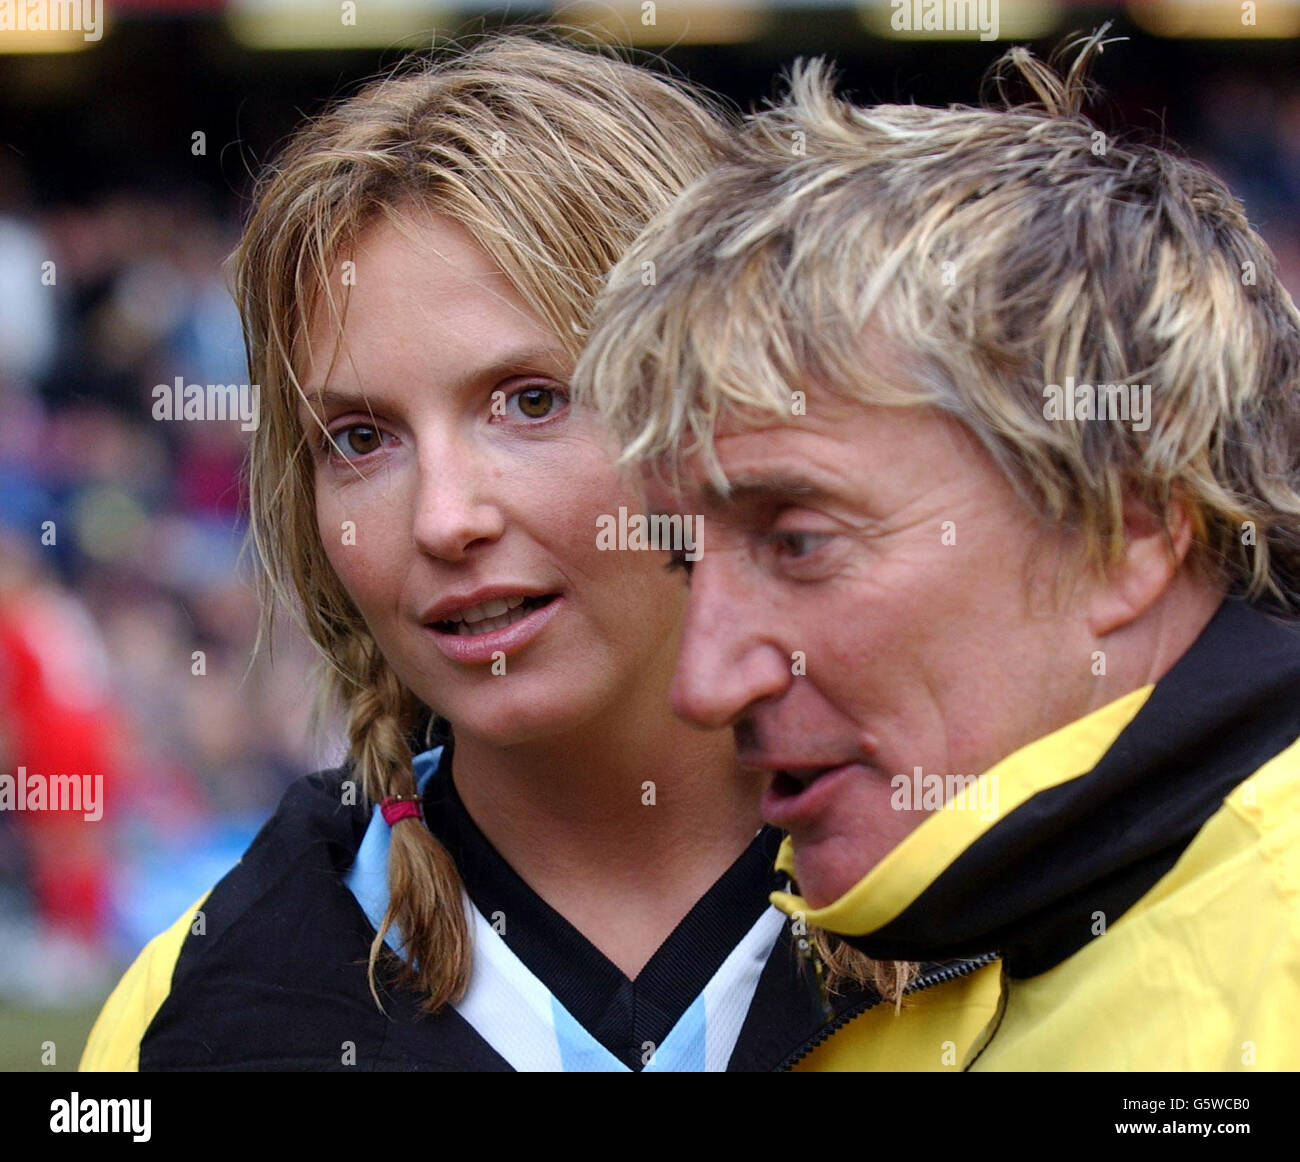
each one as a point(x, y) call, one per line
point(759, 488)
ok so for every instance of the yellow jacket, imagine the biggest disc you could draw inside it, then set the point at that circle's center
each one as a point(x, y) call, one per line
point(1140, 875)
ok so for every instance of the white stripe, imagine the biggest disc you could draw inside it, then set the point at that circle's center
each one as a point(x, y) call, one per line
point(507, 1005)
point(511, 1009)
point(728, 995)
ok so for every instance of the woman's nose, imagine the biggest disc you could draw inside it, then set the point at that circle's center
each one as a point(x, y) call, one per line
point(456, 506)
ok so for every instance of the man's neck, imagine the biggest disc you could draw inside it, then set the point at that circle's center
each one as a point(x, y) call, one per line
point(1145, 650)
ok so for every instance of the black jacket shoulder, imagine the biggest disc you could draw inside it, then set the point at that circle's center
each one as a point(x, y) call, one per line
point(275, 976)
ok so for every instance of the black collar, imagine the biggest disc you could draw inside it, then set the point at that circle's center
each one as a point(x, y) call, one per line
point(621, 1014)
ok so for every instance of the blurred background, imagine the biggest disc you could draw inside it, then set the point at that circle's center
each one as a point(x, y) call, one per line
point(127, 624)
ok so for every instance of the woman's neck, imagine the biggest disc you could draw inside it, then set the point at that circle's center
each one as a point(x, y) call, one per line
point(620, 827)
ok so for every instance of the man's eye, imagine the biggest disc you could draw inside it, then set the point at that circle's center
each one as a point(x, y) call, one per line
point(795, 544)
point(677, 559)
point(355, 441)
point(537, 403)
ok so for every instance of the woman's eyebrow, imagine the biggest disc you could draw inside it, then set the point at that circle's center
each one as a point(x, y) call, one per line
point(551, 360)
point(317, 406)
point(333, 398)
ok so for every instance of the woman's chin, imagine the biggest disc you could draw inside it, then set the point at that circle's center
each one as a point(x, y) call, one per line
point(518, 724)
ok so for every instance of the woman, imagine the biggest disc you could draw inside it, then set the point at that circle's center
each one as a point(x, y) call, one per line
point(415, 283)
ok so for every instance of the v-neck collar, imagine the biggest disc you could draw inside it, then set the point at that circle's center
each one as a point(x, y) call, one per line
point(625, 1016)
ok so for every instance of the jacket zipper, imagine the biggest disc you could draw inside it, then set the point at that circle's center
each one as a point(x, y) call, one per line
point(940, 975)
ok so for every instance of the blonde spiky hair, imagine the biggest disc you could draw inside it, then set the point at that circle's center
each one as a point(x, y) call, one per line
point(967, 260)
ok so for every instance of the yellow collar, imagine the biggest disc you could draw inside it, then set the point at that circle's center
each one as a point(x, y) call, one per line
point(898, 879)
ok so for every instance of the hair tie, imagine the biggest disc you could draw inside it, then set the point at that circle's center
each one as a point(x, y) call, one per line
point(397, 807)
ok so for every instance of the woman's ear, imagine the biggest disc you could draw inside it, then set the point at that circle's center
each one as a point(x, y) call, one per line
point(1155, 549)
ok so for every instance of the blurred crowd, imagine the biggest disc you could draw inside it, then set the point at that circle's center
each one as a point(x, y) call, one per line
point(127, 620)
point(1248, 131)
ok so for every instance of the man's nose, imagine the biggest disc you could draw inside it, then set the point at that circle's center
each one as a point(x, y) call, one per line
point(726, 662)
point(457, 502)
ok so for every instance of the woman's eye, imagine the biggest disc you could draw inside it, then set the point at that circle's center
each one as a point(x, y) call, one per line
point(537, 403)
point(355, 440)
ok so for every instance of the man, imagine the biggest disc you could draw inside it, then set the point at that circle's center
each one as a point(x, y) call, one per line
point(995, 426)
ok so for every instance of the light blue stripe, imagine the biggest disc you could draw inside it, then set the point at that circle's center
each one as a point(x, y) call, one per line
point(580, 1052)
point(425, 765)
point(683, 1050)
point(367, 878)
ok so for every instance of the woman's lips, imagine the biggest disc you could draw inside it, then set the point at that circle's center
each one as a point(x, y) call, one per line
point(477, 649)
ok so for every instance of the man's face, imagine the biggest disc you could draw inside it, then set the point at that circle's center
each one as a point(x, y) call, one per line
point(867, 604)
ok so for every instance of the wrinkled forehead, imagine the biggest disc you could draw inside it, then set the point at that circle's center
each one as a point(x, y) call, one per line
point(743, 464)
point(749, 451)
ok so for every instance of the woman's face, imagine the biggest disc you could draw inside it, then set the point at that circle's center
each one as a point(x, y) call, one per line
point(457, 496)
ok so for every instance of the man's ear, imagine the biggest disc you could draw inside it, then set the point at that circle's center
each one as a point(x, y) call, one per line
point(1154, 552)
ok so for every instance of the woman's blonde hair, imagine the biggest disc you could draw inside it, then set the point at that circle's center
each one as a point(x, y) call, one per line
point(553, 159)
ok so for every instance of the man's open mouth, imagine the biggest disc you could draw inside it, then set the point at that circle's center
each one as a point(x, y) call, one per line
point(495, 614)
point(793, 781)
